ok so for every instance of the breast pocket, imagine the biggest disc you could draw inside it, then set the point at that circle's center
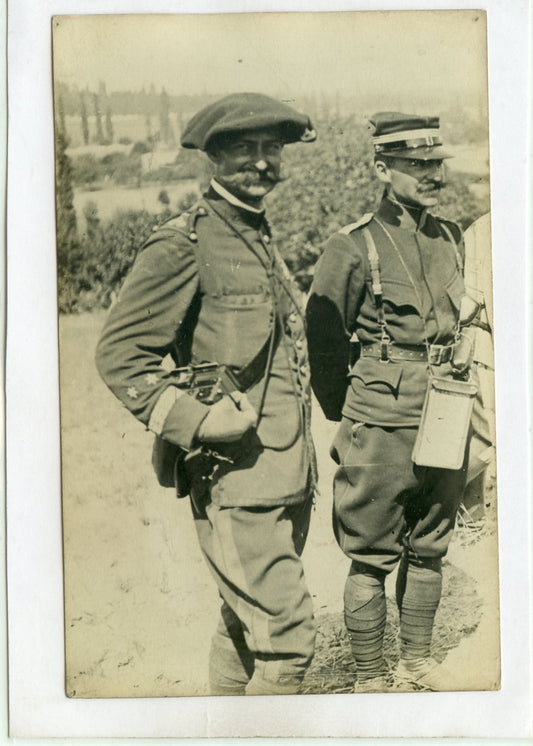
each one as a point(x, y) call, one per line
point(400, 299)
point(232, 327)
point(242, 298)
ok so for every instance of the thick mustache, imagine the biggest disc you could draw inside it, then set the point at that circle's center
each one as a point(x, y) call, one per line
point(431, 186)
point(255, 176)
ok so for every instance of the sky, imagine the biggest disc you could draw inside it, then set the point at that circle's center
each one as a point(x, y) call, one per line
point(436, 55)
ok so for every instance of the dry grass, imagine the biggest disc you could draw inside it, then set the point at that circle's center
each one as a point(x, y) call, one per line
point(459, 614)
point(140, 605)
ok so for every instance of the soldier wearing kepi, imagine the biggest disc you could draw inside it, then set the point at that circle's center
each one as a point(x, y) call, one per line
point(209, 287)
point(392, 283)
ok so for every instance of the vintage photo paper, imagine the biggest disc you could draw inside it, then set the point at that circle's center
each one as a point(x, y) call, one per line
point(141, 606)
point(139, 601)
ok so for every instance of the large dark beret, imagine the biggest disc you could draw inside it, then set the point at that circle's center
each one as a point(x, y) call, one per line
point(246, 111)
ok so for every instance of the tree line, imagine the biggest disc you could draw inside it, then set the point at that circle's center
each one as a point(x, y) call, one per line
point(329, 183)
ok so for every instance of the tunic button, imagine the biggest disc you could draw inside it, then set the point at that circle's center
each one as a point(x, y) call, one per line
point(292, 318)
point(303, 369)
point(266, 238)
point(202, 211)
point(299, 344)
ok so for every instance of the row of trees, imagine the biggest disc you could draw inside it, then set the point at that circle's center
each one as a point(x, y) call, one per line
point(329, 183)
point(97, 104)
point(95, 112)
point(164, 114)
point(144, 101)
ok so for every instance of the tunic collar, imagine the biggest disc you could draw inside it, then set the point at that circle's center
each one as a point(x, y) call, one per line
point(233, 200)
point(403, 216)
point(234, 209)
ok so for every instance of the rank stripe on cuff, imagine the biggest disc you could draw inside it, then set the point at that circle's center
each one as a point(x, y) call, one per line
point(163, 406)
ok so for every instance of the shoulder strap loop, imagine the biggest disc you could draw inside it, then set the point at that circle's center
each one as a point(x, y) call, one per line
point(377, 289)
point(195, 212)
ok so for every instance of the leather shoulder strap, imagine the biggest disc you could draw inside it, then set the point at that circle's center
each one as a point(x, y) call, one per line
point(367, 217)
point(458, 257)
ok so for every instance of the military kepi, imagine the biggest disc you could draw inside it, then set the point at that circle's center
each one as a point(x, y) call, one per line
point(407, 136)
point(246, 111)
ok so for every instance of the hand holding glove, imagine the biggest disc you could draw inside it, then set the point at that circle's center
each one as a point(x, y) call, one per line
point(228, 419)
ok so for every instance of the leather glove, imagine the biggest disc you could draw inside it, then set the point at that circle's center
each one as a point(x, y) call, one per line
point(228, 419)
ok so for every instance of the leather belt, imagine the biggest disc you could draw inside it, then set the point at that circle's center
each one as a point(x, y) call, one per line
point(438, 354)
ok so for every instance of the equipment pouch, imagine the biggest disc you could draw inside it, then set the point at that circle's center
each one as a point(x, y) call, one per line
point(445, 423)
point(166, 461)
point(207, 382)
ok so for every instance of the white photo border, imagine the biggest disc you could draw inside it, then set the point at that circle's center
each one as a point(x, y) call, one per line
point(38, 705)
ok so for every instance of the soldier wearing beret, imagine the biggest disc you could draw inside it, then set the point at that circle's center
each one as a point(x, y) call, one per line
point(383, 319)
point(209, 287)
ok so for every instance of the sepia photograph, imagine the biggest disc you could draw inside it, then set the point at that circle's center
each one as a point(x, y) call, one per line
point(278, 408)
point(282, 270)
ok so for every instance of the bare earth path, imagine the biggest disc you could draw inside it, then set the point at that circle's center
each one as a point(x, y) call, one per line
point(140, 604)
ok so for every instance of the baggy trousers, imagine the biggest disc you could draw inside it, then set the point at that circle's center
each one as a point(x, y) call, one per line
point(386, 508)
point(383, 502)
point(265, 638)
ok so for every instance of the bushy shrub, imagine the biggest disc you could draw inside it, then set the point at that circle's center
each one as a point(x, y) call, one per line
point(86, 170)
point(329, 183)
point(93, 271)
point(118, 168)
point(188, 164)
point(141, 147)
point(127, 170)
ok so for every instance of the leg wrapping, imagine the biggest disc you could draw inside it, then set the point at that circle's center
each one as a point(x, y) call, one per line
point(418, 593)
point(365, 614)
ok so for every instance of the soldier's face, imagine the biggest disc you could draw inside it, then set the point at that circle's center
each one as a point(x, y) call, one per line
point(412, 181)
point(248, 165)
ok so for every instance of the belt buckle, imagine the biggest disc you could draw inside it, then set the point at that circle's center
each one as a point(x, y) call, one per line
point(384, 356)
point(435, 354)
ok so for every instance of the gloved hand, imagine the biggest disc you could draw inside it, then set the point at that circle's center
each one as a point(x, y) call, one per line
point(228, 419)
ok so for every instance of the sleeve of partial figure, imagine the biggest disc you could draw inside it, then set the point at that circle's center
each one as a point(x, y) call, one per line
point(331, 311)
point(140, 331)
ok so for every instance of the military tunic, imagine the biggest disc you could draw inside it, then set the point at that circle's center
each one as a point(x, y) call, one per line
point(209, 287)
point(381, 499)
point(197, 287)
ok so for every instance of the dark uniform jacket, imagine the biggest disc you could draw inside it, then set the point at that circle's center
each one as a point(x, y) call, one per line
point(207, 287)
point(422, 291)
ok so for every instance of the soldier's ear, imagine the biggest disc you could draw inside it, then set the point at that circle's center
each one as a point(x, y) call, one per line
point(382, 171)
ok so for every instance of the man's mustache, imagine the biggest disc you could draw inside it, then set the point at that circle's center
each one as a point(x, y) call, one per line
point(254, 176)
point(430, 186)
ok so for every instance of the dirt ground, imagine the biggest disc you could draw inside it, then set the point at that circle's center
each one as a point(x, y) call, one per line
point(140, 605)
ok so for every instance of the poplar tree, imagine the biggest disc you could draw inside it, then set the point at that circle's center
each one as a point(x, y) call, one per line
point(98, 115)
point(109, 124)
point(84, 120)
point(68, 258)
